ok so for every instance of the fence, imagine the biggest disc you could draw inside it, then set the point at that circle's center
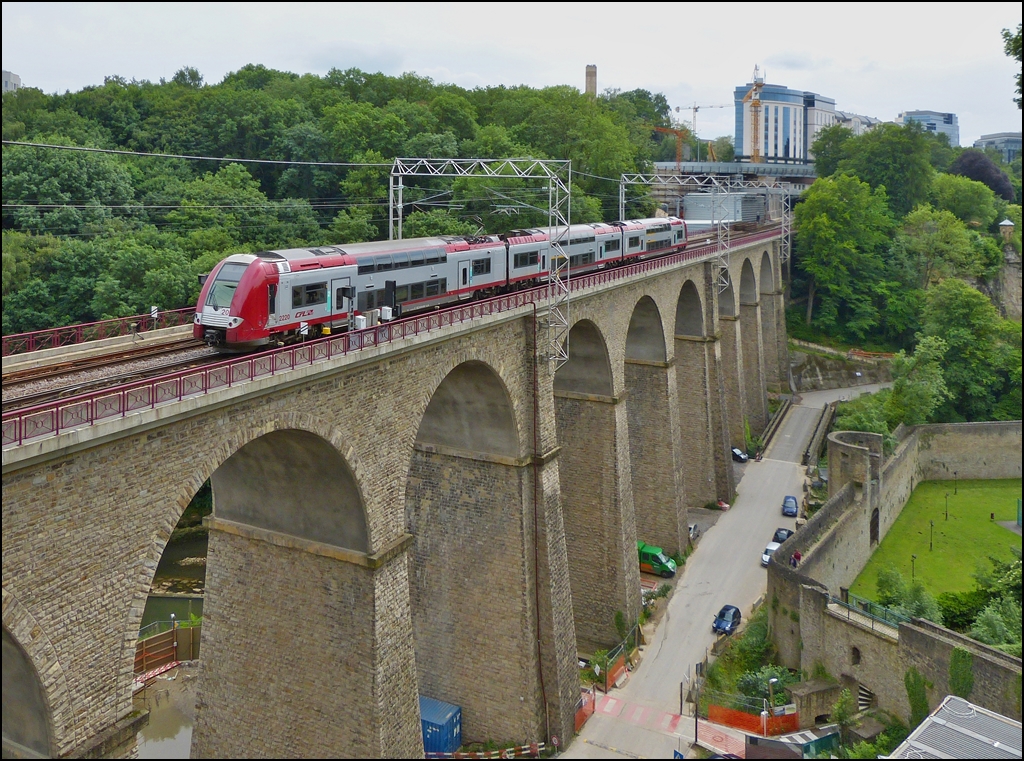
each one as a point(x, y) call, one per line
point(51, 418)
point(21, 343)
point(869, 609)
point(766, 725)
point(585, 707)
point(163, 642)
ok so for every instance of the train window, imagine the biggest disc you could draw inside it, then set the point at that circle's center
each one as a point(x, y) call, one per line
point(634, 241)
point(436, 257)
point(654, 245)
point(402, 293)
point(526, 259)
point(581, 259)
point(272, 298)
point(679, 236)
point(481, 267)
point(309, 295)
point(584, 239)
point(443, 284)
point(401, 261)
point(416, 291)
point(367, 267)
point(224, 285)
point(416, 259)
point(611, 245)
point(432, 288)
point(383, 262)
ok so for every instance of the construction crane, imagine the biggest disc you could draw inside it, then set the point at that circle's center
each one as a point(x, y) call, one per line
point(694, 109)
point(753, 97)
point(681, 134)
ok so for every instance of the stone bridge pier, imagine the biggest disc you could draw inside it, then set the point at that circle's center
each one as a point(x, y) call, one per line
point(443, 515)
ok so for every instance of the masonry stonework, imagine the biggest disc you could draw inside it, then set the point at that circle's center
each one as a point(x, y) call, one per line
point(811, 632)
point(87, 514)
point(658, 495)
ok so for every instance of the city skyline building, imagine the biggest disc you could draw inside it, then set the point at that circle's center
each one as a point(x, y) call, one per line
point(936, 122)
point(11, 81)
point(789, 122)
point(1007, 143)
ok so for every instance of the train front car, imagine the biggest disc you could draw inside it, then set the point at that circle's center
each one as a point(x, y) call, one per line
point(231, 314)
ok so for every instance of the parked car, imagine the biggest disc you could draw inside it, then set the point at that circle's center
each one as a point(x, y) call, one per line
point(768, 552)
point(727, 620)
point(789, 506)
point(739, 455)
point(653, 560)
point(782, 534)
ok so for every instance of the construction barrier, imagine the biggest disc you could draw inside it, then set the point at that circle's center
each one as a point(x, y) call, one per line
point(533, 750)
point(748, 722)
point(585, 707)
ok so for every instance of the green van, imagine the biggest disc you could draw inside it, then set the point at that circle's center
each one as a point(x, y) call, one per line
point(653, 560)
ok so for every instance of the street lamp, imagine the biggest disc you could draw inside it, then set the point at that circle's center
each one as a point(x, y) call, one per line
point(931, 530)
point(947, 506)
point(912, 559)
point(954, 482)
point(771, 694)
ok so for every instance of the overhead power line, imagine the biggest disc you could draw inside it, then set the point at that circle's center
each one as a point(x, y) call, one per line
point(190, 158)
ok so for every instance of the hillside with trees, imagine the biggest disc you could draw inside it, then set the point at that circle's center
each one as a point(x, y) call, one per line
point(93, 235)
point(897, 248)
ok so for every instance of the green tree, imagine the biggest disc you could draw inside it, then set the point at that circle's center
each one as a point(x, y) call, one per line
point(842, 228)
point(724, 148)
point(843, 711)
point(422, 224)
point(969, 325)
point(353, 225)
point(938, 244)
point(973, 203)
point(918, 384)
point(1012, 48)
point(893, 157)
point(829, 148)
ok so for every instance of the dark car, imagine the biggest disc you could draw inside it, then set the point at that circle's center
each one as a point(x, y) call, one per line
point(727, 620)
point(782, 534)
point(739, 455)
point(789, 507)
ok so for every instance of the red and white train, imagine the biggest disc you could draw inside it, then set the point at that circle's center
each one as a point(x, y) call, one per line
point(275, 297)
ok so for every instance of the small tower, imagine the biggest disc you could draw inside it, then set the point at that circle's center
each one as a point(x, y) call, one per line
point(591, 80)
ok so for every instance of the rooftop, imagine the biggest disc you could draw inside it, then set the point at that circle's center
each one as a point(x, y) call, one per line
point(958, 729)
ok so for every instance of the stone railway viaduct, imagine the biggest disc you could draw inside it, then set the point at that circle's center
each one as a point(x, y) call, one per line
point(441, 515)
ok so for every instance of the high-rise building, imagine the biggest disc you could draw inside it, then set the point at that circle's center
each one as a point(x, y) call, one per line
point(936, 122)
point(11, 81)
point(1007, 143)
point(789, 122)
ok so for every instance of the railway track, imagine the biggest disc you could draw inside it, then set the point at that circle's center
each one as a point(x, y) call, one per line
point(52, 392)
point(45, 372)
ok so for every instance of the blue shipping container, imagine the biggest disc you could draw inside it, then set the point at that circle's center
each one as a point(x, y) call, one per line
point(442, 726)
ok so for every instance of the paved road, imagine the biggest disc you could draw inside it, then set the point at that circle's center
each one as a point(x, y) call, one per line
point(725, 569)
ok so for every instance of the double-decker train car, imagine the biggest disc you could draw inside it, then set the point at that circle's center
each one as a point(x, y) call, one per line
point(273, 297)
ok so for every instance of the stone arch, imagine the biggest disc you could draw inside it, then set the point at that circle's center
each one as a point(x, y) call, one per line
point(471, 410)
point(37, 714)
point(690, 312)
point(260, 486)
point(588, 370)
point(467, 498)
point(645, 339)
point(748, 283)
point(767, 277)
point(727, 298)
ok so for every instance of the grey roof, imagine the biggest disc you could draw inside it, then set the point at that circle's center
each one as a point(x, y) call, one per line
point(958, 729)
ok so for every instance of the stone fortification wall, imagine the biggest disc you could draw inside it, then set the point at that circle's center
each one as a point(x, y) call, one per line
point(818, 369)
point(837, 542)
point(973, 450)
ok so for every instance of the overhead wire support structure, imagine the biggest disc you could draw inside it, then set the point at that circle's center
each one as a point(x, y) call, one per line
point(720, 186)
point(558, 175)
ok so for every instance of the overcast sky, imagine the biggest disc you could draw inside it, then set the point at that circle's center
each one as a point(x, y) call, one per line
point(874, 59)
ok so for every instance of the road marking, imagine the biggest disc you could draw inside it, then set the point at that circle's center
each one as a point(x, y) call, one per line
point(610, 706)
point(668, 722)
point(613, 750)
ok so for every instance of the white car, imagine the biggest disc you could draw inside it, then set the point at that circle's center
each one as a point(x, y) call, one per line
point(768, 552)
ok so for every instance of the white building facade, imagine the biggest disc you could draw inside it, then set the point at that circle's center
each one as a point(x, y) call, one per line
point(935, 122)
point(11, 81)
point(789, 122)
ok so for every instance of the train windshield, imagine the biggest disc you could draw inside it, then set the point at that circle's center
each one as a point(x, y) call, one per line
point(223, 288)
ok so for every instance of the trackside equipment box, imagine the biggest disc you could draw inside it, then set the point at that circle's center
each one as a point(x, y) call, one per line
point(442, 726)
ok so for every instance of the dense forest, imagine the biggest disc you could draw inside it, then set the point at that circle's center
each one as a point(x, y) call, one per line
point(898, 247)
point(94, 235)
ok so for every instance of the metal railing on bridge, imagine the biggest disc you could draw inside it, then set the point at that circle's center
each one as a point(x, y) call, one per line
point(860, 607)
point(51, 338)
point(53, 418)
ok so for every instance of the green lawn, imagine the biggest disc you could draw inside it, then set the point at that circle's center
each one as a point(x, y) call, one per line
point(960, 545)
